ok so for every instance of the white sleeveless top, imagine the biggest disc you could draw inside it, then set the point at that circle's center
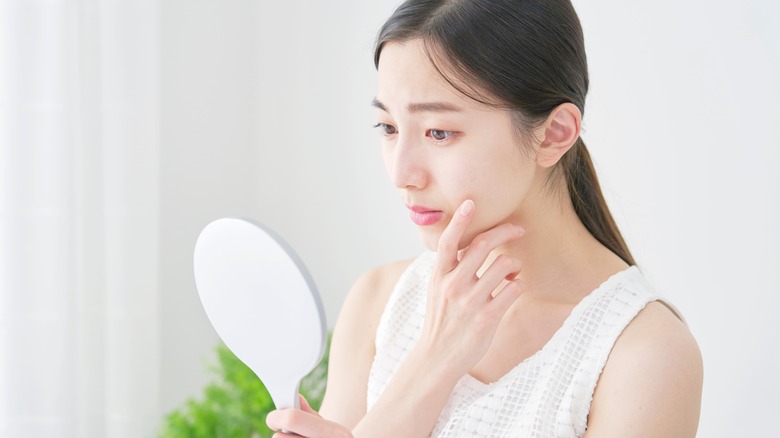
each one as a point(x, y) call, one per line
point(546, 395)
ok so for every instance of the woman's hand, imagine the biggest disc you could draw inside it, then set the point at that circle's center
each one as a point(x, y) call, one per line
point(462, 313)
point(304, 422)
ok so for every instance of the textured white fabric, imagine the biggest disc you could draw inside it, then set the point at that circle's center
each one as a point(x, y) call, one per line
point(546, 395)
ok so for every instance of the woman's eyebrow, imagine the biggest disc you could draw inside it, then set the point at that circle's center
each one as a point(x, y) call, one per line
point(377, 104)
point(436, 107)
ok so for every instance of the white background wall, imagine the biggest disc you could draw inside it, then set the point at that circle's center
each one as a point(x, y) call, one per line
point(265, 114)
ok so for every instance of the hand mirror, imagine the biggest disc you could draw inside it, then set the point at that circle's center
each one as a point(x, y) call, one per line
point(262, 302)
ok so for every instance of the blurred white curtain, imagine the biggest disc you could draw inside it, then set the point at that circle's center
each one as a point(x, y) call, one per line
point(79, 210)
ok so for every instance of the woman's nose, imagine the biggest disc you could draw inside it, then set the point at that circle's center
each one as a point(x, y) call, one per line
point(406, 165)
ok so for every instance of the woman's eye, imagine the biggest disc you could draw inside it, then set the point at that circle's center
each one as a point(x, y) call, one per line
point(439, 134)
point(386, 129)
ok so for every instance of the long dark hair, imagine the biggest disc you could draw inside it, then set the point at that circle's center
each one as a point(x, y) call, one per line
point(527, 56)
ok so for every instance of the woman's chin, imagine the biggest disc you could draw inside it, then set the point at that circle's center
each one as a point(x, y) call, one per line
point(430, 238)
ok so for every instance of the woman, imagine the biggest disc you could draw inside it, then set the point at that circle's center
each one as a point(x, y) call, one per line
point(527, 317)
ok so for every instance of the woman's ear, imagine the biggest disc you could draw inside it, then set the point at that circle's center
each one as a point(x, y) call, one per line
point(561, 131)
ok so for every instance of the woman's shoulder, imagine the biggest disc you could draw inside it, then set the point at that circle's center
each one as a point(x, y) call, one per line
point(352, 346)
point(375, 285)
point(654, 371)
point(369, 294)
point(658, 334)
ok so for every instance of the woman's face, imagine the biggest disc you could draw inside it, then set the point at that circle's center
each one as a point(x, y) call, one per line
point(441, 148)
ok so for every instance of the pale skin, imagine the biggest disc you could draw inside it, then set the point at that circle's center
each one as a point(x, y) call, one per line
point(510, 266)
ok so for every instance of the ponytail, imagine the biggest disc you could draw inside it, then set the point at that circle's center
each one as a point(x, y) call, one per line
point(589, 203)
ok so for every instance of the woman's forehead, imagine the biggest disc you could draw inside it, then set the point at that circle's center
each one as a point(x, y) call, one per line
point(407, 77)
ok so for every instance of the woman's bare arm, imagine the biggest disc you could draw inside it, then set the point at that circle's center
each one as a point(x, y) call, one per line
point(352, 346)
point(652, 383)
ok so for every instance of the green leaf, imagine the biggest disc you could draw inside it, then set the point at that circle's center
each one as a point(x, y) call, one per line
point(235, 403)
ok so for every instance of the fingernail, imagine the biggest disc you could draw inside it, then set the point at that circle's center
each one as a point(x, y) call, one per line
point(467, 207)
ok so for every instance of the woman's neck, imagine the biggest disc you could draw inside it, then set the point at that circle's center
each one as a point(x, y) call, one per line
point(561, 260)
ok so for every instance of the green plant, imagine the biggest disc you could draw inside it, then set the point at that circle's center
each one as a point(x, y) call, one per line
point(236, 403)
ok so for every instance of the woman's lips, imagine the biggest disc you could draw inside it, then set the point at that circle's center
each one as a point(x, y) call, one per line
point(423, 215)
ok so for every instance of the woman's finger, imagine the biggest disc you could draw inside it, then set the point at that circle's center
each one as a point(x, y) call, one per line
point(504, 299)
point(447, 248)
point(296, 421)
point(306, 407)
point(504, 267)
point(475, 255)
